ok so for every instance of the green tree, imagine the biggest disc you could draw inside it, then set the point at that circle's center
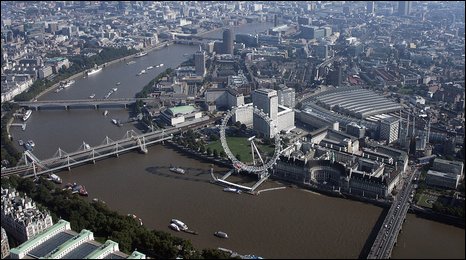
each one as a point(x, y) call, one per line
point(209, 151)
point(215, 153)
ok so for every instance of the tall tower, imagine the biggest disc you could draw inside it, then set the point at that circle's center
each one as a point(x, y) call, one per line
point(404, 8)
point(370, 7)
point(267, 100)
point(228, 41)
point(199, 62)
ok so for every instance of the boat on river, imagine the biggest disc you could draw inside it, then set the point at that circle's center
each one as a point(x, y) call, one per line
point(141, 54)
point(174, 227)
point(27, 115)
point(93, 71)
point(68, 83)
point(238, 191)
point(221, 234)
point(177, 170)
point(92, 96)
point(181, 225)
point(105, 112)
point(55, 178)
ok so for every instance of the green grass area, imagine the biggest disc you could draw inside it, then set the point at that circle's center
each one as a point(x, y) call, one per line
point(241, 146)
point(426, 200)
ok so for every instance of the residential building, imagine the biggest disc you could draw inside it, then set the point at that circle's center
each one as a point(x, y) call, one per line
point(20, 216)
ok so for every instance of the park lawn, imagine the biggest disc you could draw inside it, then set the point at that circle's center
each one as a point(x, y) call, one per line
point(240, 145)
point(423, 201)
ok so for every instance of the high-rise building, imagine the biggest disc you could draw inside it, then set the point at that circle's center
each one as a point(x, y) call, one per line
point(404, 8)
point(199, 62)
point(335, 77)
point(267, 100)
point(286, 97)
point(388, 129)
point(275, 20)
point(228, 41)
point(370, 7)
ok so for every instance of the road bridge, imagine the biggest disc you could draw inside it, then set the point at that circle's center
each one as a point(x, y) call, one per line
point(392, 225)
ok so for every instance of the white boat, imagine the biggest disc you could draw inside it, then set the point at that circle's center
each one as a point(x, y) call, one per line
point(92, 96)
point(66, 84)
point(105, 112)
point(174, 227)
point(118, 83)
point(157, 66)
point(141, 54)
point(143, 71)
point(27, 115)
point(221, 234)
point(131, 62)
point(20, 142)
point(108, 94)
point(232, 190)
point(95, 70)
point(31, 143)
point(55, 178)
point(177, 170)
point(114, 89)
point(161, 65)
point(115, 121)
point(180, 224)
point(149, 68)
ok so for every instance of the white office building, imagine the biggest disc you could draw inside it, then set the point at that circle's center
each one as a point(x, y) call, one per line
point(282, 117)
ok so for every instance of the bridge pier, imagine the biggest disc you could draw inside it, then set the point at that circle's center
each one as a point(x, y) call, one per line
point(95, 107)
point(67, 107)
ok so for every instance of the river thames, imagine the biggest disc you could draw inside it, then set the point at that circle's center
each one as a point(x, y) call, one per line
point(287, 223)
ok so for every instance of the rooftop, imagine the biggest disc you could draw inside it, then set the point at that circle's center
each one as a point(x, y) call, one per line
point(181, 110)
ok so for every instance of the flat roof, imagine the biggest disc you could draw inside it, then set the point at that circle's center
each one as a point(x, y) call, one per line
point(442, 174)
point(98, 251)
point(81, 251)
point(31, 242)
point(84, 234)
point(50, 245)
point(181, 110)
point(457, 163)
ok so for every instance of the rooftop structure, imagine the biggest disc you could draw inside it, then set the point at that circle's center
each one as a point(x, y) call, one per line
point(20, 217)
point(357, 102)
point(60, 242)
